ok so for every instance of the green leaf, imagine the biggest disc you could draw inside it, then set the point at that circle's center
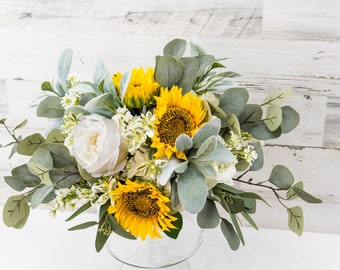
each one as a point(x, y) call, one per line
point(251, 114)
point(23, 174)
point(305, 195)
point(230, 234)
point(208, 217)
point(192, 190)
point(248, 218)
point(60, 155)
point(50, 107)
point(23, 123)
point(168, 71)
point(175, 47)
point(30, 144)
point(15, 183)
point(178, 223)
point(16, 211)
point(40, 164)
point(277, 98)
point(290, 195)
point(290, 119)
point(233, 124)
point(234, 100)
point(47, 86)
point(3, 121)
point(281, 177)
point(55, 136)
point(233, 204)
point(207, 147)
point(295, 219)
point(64, 64)
point(259, 161)
point(100, 240)
point(211, 128)
point(261, 132)
point(237, 227)
point(80, 210)
point(99, 73)
point(221, 154)
point(84, 225)
point(189, 74)
point(118, 229)
point(109, 87)
point(63, 179)
point(183, 143)
point(273, 118)
point(40, 194)
point(204, 62)
point(206, 168)
point(252, 195)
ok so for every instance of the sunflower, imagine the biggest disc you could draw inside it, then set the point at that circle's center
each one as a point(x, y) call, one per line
point(141, 88)
point(141, 208)
point(175, 115)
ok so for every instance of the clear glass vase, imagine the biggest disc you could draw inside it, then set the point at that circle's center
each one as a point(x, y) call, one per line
point(162, 253)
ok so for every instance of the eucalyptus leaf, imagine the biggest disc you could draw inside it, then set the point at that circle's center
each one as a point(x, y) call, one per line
point(40, 194)
point(55, 136)
point(277, 98)
point(204, 62)
point(290, 195)
point(261, 132)
point(15, 183)
point(208, 217)
point(290, 119)
point(251, 114)
point(233, 124)
point(40, 164)
point(305, 195)
point(273, 117)
point(50, 107)
point(190, 71)
point(259, 161)
point(168, 71)
point(249, 219)
point(192, 190)
point(295, 219)
point(281, 177)
point(211, 128)
point(25, 176)
point(230, 234)
point(30, 144)
point(16, 211)
point(63, 179)
point(175, 47)
point(20, 125)
point(234, 100)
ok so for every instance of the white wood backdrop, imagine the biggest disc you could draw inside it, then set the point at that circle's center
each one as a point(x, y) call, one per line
point(273, 43)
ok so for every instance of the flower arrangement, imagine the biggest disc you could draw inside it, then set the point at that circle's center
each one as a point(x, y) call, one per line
point(149, 144)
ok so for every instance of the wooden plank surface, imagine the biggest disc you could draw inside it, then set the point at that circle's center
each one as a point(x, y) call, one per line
point(272, 43)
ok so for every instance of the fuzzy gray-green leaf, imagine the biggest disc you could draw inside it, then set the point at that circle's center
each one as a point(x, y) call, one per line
point(64, 64)
point(50, 107)
point(212, 128)
point(40, 194)
point(230, 234)
point(192, 190)
point(295, 219)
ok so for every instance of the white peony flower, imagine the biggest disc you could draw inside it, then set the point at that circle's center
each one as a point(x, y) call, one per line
point(224, 174)
point(98, 145)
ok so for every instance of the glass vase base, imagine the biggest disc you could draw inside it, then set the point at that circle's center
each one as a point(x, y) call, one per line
point(179, 266)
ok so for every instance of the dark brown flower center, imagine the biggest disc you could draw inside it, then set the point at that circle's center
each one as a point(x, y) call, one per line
point(141, 204)
point(174, 122)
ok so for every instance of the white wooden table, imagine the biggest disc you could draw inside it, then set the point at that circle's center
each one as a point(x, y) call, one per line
point(45, 243)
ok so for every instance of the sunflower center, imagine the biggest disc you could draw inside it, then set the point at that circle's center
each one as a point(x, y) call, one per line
point(174, 122)
point(141, 204)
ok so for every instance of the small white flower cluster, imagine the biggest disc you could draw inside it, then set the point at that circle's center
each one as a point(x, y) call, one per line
point(72, 80)
point(136, 129)
point(70, 99)
point(241, 146)
point(69, 198)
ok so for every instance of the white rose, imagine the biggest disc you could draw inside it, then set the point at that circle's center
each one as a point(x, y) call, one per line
point(224, 174)
point(98, 145)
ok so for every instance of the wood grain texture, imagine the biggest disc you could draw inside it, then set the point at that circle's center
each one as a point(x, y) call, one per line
point(272, 43)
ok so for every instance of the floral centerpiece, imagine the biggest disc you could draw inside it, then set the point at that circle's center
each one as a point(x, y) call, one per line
point(149, 144)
